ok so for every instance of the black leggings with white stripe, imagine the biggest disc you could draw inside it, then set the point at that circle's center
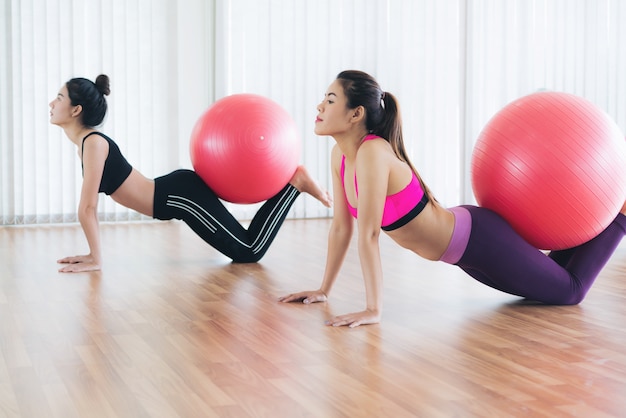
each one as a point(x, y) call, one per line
point(183, 195)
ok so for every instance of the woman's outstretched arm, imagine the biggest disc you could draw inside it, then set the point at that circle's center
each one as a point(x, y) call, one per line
point(338, 241)
point(372, 177)
point(94, 154)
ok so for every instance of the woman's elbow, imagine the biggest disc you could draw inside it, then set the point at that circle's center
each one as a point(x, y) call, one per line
point(368, 240)
point(341, 228)
point(369, 234)
point(87, 212)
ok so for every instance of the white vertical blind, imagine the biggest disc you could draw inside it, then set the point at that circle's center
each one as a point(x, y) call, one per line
point(291, 51)
point(517, 47)
point(451, 63)
point(158, 57)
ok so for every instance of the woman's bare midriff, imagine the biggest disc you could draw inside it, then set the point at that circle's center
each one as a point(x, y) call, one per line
point(428, 234)
point(137, 193)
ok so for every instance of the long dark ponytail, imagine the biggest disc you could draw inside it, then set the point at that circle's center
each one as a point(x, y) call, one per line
point(382, 111)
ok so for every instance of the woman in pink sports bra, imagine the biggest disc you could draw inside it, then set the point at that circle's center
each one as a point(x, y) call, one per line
point(374, 181)
point(400, 207)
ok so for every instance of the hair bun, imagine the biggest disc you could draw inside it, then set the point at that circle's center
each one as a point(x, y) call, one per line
point(102, 84)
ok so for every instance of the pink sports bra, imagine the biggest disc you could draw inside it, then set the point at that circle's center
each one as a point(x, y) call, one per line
point(400, 207)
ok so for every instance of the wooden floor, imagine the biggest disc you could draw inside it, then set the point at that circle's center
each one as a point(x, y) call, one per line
point(170, 328)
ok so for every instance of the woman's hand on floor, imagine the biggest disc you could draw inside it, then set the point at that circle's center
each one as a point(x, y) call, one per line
point(78, 263)
point(306, 297)
point(355, 319)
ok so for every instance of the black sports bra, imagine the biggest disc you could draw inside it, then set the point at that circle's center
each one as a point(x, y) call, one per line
point(116, 168)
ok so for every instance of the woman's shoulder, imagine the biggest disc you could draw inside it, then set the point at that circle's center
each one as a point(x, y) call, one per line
point(372, 140)
point(96, 142)
point(373, 146)
point(96, 135)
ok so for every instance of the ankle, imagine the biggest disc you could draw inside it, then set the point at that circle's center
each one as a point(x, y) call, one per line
point(299, 178)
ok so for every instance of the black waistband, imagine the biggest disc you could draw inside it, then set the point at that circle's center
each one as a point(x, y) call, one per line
point(409, 216)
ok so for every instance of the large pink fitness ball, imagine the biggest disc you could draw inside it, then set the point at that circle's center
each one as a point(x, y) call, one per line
point(245, 147)
point(554, 166)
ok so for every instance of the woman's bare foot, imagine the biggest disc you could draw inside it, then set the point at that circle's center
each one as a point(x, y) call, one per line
point(303, 181)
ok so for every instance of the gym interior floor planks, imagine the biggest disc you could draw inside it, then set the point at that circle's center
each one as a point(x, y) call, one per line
point(170, 328)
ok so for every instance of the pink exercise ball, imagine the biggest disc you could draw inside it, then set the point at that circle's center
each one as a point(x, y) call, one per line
point(554, 166)
point(245, 147)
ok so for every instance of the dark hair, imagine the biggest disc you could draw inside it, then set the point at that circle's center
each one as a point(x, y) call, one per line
point(90, 96)
point(382, 112)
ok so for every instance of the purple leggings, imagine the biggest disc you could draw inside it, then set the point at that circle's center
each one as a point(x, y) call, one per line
point(498, 257)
